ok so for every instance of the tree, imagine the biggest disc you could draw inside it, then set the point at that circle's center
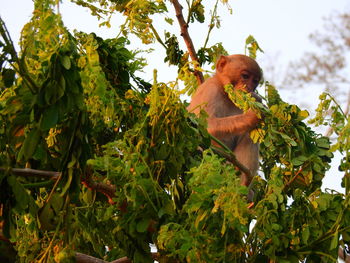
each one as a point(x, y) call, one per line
point(326, 66)
point(96, 162)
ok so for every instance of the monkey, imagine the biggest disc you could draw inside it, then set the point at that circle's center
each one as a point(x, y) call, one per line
point(225, 120)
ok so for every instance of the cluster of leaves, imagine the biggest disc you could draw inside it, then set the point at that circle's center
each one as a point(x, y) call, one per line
point(211, 54)
point(330, 114)
point(252, 46)
point(173, 51)
point(73, 104)
point(302, 154)
point(290, 205)
point(62, 105)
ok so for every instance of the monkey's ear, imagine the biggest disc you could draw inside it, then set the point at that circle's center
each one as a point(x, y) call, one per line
point(221, 63)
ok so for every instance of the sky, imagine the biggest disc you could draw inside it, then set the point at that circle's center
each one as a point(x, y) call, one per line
point(281, 28)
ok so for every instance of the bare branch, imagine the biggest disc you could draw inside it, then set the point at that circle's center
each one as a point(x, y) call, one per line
point(32, 172)
point(106, 189)
point(82, 258)
point(187, 39)
point(122, 260)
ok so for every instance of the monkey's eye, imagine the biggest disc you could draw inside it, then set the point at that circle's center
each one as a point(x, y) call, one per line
point(245, 76)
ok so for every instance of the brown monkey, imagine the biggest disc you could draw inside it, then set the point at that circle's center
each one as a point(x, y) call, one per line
point(226, 121)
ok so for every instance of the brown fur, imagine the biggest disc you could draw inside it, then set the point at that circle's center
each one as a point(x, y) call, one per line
point(225, 120)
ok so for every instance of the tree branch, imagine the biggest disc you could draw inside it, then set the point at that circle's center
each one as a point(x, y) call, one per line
point(33, 172)
point(106, 189)
point(82, 258)
point(187, 39)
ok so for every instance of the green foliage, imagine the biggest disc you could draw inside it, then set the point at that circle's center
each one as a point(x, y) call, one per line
point(330, 114)
point(212, 54)
point(135, 168)
point(216, 199)
point(174, 53)
point(196, 12)
point(252, 46)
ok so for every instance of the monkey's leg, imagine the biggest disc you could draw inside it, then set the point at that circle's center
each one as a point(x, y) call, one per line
point(247, 153)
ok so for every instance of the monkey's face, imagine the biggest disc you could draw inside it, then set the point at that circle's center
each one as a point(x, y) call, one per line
point(240, 71)
point(247, 80)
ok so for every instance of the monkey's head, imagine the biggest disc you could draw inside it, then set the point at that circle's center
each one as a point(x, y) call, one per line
point(239, 70)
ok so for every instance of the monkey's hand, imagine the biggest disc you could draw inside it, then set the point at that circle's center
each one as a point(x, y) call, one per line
point(236, 124)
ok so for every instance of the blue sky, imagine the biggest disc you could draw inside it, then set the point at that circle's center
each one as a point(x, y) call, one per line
point(280, 26)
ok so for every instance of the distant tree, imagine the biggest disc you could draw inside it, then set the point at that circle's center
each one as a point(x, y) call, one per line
point(327, 65)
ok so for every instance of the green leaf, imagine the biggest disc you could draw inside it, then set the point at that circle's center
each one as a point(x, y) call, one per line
point(56, 202)
point(303, 114)
point(47, 218)
point(50, 91)
point(142, 225)
point(49, 118)
point(299, 160)
point(198, 12)
point(30, 143)
point(288, 139)
point(69, 181)
point(19, 193)
point(23, 199)
point(65, 61)
point(335, 239)
point(305, 235)
point(323, 142)
point(8, 76)
point(61, 88)
point(169, 20)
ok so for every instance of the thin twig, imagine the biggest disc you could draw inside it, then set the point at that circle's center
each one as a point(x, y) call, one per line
point(346, 112)
point(160, 41)
point(211, 26)
point(187, 39)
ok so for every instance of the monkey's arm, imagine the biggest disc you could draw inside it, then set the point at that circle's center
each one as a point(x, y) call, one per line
point(236, 124)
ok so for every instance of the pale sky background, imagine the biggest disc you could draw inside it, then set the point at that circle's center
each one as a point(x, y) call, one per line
point(281, 28)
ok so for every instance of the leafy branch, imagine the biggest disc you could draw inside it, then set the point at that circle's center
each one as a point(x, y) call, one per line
point(19, 65)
